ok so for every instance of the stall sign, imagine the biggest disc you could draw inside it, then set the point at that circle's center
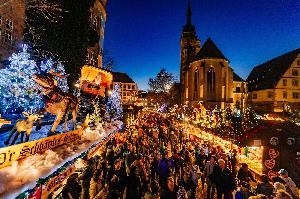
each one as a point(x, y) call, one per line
point(257, 143)
point(20, 151)
point(56, 181)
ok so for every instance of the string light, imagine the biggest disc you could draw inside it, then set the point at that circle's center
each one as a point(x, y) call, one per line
point(18, 92)
point(114, 104)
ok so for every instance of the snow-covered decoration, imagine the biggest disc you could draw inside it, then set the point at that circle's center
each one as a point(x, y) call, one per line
point(114, 104)
point(46, 65)
point(22, 175)
point(62, 81)
point(18, 92)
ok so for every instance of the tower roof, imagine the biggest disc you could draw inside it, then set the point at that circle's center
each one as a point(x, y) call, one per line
point(188, 26)
point(189, 14)
point(121, 77)
point(210, 50)
point(237, 78)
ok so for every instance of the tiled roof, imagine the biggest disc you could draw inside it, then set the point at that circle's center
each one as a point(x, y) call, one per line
point(210, 50)
point(237, 78)
point(267, 75)
point(121, 77)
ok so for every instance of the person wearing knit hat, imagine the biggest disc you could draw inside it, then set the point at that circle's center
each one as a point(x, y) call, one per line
point(290, 184)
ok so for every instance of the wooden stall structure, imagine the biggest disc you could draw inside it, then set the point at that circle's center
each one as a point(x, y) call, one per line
point(96, 81)
point(273, 146)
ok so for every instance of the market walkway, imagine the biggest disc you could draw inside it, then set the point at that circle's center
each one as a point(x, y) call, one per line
point(158, 156)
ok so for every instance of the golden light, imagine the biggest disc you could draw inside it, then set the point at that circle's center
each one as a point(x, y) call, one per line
point(109, 92)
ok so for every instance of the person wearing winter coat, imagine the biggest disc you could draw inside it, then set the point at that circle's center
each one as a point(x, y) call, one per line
point(291, 187)
point(133, 184)
point(164, 168)
point(188, 185)
point(86, 177)
point(153, 191)
point(72, 189)
point(170, 191)
point(244, 192)
point(244, 174)
point(265, 187)
point(96, 183)
point(224, 180)
point(208, 173)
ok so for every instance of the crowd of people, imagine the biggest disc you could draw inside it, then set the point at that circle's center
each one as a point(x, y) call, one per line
point(156, 157)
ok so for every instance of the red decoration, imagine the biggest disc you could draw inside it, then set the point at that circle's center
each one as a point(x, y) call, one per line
point(270, 164)
point(273, 153)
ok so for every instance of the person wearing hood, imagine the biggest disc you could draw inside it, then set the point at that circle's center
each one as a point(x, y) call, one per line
point(265, 187)
point(289, 183)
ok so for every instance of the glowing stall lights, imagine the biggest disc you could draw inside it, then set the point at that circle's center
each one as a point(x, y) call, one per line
point(271, 118)
point(253, 157)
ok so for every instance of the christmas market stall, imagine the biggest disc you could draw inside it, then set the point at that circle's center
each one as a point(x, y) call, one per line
point(272, 146)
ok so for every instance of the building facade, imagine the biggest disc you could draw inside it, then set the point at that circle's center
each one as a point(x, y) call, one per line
point(12, 24)
point(127, 87)
point(97, 21)
point(274, 86)
point(205, 75)
point(239, 92)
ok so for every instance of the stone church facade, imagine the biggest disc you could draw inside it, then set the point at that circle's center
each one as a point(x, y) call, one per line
point(205, 75)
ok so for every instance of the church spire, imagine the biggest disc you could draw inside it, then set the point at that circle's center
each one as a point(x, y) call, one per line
point(189, 14)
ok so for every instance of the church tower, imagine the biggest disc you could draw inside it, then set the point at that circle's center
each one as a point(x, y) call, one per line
point(189, 47)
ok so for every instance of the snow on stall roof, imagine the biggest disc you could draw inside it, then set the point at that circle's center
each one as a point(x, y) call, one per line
point(23, 175)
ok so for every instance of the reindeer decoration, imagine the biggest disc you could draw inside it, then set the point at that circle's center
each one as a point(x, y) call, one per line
point(23, 126)
point(56, 101)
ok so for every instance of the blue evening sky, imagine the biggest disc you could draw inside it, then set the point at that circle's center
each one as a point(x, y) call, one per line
point(143, 36)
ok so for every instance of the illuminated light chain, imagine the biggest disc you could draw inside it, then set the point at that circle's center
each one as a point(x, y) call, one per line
point(44, 181)
point(18, 92)
point(114, 104)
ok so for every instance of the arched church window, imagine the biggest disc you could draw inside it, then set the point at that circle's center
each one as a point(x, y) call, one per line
point(196, 84)
point(211, 88)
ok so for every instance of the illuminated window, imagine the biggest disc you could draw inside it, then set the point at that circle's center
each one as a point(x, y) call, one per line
point(8, 36)
point(196, 84)
point(295, 72)
point(284, 82)
point(284, 94)
point(270, 94)
point(211, 89)
point(9, 24)
point(295, 82)
point(92, 59)
point(254, 96)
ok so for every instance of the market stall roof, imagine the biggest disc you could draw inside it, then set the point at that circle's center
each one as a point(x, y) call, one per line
point(269, 129)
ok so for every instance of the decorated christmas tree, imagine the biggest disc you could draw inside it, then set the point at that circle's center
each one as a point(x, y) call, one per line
point(114, 104)
point(18, 92)
point(249, 120)
point(48, 65)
